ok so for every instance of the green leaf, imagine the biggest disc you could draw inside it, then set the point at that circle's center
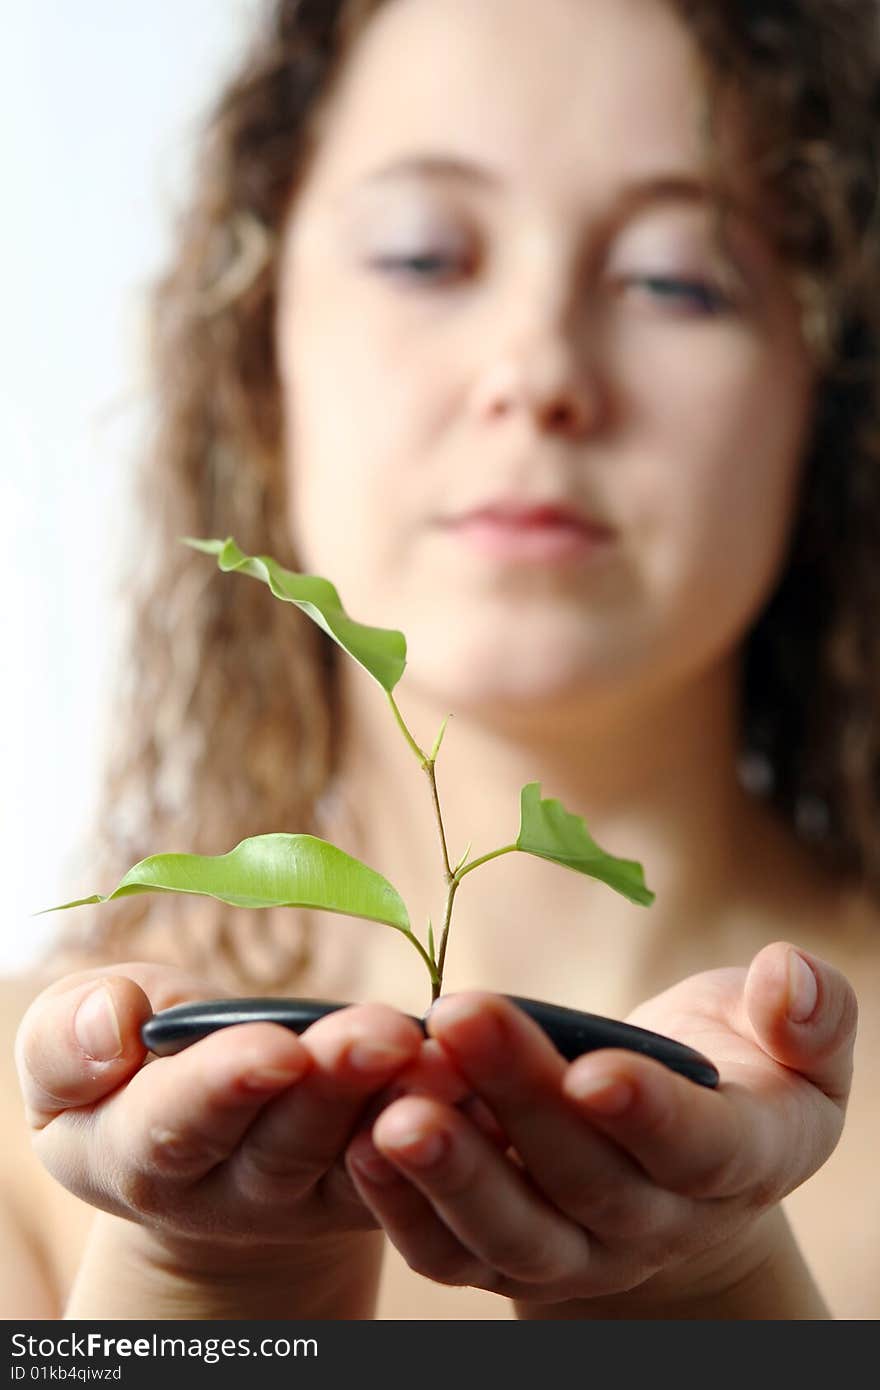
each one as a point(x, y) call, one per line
point(463, 858)
point(549, 831)
point(275, 870)
point(381, 651)
point(439, 739)
point(431, 951)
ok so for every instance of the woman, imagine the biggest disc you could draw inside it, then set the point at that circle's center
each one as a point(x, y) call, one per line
point(549, 336)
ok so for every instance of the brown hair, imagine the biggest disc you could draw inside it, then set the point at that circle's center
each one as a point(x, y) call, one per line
point(221, 685)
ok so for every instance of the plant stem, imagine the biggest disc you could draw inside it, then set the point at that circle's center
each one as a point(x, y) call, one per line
point(437, 984)
point(427, 763)
point(484, 859)
point(453, 880)
point(451, 883)
point(422, 757)
point(429, 768)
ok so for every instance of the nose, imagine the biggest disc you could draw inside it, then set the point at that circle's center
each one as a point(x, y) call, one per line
point(544, 380)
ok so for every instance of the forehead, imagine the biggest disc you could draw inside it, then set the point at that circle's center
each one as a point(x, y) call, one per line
point(561, 92)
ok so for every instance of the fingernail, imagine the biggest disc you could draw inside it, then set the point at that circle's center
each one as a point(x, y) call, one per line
point(375, 1168)
point(607, 1095)
point(97, 1027)
point(368, 1056)
point(469, 1023)
point(803, 989)
point(419, 1148)
point(272, 1078)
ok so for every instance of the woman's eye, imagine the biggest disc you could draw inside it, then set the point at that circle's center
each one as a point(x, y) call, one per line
point(699, 295)
point(421, 265)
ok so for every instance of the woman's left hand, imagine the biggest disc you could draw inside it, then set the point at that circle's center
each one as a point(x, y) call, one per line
point(612, 1169)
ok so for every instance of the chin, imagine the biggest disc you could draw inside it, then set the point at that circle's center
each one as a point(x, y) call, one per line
point(518, 678)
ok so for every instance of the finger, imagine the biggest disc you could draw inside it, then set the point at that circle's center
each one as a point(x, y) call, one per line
point(477, 1110)
point(687, 1139)
point(80, 1038)
point(78, 1045)
point(431, 1074)
point(355, 1052)
point(483, 1199)
point(770, 1124)
point(804, 1013)
point(187, 1113)
point(516, 1070)
point(171, 1123)
point(409, 1220)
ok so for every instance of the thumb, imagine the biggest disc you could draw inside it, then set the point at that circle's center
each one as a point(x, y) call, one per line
point(803, 1012)
point(80, 1038)
point(75, 1046)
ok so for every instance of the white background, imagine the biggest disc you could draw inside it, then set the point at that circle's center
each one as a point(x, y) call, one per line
point(99, 106)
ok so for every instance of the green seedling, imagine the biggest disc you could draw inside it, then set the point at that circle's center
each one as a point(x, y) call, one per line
point(280, 870)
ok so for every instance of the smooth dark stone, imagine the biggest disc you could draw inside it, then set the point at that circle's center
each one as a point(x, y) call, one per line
point(571, 1032)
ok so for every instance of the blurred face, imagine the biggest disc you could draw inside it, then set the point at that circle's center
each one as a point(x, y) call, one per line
point(537, 416)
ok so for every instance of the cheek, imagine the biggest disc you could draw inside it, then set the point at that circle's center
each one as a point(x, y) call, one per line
point(342, 448)
point(734, 430)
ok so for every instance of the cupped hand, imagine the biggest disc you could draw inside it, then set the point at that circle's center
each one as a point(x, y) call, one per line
point(239, 1139)
point(614, 1169)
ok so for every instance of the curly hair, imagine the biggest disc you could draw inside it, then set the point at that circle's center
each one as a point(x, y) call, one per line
point(220, 686)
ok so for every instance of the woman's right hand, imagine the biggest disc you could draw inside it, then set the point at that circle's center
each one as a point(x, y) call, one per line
point(236, 1142)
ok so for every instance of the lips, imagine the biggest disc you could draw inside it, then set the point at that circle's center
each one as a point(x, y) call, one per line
point(531, 516)
point(531, 532)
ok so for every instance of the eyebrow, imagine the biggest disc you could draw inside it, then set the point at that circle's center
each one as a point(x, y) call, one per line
point(433, 166)
point(673, 186)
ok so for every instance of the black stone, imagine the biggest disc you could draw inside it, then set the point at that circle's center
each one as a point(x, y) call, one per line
point(571, 1032)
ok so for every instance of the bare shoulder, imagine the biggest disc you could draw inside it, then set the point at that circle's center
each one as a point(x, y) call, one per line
point(835, 1215)
point(40, 1222)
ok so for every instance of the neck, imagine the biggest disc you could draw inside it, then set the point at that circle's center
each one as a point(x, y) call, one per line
point(657, 783)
